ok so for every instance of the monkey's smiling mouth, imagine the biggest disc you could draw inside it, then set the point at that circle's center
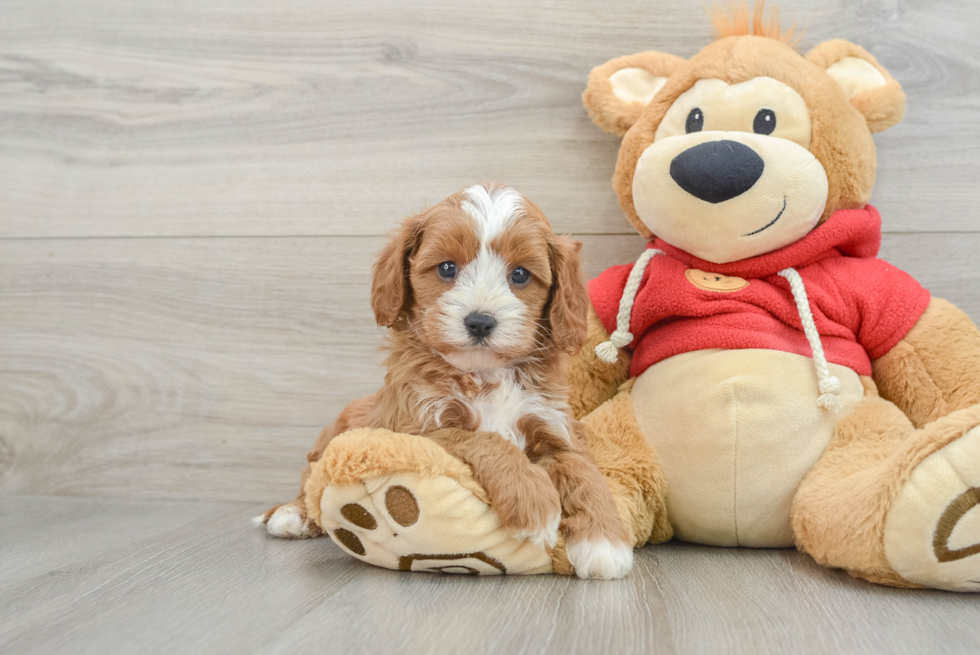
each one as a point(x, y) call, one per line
point(770, 223)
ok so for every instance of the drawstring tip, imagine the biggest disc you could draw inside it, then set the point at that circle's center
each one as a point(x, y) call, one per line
point(830, 386)
point(829, 402)
point(607, 352)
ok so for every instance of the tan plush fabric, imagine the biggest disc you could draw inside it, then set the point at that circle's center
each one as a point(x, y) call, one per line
point(613, 113)
point(368, 453)
point(736, 431)
point(631, 468)
point(932, 530)
point(839, 512)
point(636, 85)
point(401, 502)
point(935, 369)
point(882, 105)
point(592, 381)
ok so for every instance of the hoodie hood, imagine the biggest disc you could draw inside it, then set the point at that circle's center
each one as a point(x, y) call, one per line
point(848, 232)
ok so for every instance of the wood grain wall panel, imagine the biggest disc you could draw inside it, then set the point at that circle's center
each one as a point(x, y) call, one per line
point(300, 118)
point(188, 368)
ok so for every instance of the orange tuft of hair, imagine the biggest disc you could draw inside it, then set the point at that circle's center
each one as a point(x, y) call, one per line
point(737, 20)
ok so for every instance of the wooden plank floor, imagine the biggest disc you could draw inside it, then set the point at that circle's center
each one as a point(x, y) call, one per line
point(99, 576)
point(191, 195)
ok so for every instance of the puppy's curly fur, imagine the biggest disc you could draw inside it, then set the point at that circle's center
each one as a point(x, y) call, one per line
point(490, 392)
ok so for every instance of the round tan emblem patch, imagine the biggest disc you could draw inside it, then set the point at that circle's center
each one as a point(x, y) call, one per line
point(715, 281)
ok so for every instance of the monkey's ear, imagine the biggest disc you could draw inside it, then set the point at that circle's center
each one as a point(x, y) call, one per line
point(391, 291)
point(618, 90)
point(868, 86)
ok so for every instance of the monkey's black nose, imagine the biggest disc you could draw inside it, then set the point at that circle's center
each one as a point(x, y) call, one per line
point(717, 171)
point(480, 325)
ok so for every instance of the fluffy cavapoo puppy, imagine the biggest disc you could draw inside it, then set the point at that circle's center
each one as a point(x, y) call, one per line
point(484, 302)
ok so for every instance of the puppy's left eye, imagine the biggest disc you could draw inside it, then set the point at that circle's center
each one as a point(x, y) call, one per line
point(519, 276)
point(447, 270)
point(765, 122)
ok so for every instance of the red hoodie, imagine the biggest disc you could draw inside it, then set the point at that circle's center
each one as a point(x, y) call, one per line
point(862, 306)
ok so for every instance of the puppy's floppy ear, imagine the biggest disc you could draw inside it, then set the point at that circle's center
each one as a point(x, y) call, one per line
point(569, 306)
point(618, 90)
point(866, 84)
point(391, 291)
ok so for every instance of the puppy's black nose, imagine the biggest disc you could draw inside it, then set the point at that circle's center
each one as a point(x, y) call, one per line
point(480, 325)
point(717, 171)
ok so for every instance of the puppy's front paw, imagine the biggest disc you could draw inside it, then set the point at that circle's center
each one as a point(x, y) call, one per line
point(545, 537)
point(288, 522)
point(528, 505)
point(600, 558)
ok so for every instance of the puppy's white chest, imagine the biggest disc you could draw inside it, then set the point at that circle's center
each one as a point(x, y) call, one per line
point(501, 407)
point(506, 401)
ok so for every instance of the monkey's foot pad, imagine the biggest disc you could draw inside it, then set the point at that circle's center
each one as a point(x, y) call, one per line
point(402, 502)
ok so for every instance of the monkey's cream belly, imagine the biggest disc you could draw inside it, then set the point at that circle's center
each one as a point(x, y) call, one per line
point(736, 431)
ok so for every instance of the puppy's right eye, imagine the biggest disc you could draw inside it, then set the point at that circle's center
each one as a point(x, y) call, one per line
point(447, 270)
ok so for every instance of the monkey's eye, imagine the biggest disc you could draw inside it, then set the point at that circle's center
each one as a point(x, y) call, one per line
point(695, 120)
point(765, 122)
point(447, 270)
point(519, 276)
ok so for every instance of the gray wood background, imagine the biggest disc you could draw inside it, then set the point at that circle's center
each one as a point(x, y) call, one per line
point(191, 195)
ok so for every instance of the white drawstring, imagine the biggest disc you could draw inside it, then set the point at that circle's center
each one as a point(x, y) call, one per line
point(608, 351)
point(830, 386)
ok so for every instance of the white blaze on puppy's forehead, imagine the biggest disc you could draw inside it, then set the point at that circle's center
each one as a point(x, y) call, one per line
point(493, 209)
point(482, 285)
